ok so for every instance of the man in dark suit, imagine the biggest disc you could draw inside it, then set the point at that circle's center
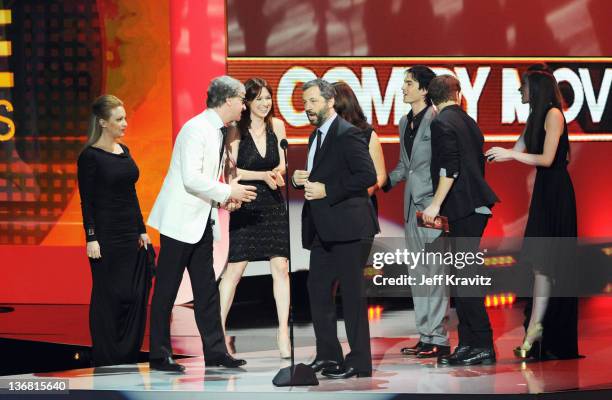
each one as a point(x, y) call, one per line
point(462, 195)
point(338, 225)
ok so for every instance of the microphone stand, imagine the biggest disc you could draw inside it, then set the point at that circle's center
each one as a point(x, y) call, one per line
point(300, 374)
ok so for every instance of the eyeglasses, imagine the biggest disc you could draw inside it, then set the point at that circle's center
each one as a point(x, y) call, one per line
point(242, 99)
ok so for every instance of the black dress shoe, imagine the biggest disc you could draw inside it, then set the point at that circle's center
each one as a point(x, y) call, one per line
point(412, 350)
point(165, 364)
point(226, 361)
point(479, 355)
point(454, 358)
point(318, 365)
point(434, 351)
point(345, 372)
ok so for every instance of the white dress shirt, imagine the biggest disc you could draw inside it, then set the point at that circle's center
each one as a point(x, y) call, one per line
point(313, 147)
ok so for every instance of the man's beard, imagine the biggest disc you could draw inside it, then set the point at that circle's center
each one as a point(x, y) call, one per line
point(320, 118)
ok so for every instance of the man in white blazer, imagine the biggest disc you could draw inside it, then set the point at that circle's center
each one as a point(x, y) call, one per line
point(185, 214)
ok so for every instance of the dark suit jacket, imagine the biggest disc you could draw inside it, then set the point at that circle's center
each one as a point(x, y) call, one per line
point(456, 147)
point(347, 170)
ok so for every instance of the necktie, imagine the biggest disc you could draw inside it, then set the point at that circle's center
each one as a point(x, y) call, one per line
point(318, 144)
point(222, 147)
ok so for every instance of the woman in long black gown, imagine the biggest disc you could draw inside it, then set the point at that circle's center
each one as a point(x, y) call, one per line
point(114, 231)
point(550, 234)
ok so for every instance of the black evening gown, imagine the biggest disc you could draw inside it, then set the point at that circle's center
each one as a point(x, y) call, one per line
point(120, 285)
point(550, 248)
point(258, 230)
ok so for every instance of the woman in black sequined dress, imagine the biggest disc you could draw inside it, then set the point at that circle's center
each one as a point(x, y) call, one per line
point(258, 230)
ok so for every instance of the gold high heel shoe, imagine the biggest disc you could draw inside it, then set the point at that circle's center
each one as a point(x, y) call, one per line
point(532, 336)
point(284, 345)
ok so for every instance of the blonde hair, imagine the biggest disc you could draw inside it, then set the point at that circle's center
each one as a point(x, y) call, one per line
point(101, 108)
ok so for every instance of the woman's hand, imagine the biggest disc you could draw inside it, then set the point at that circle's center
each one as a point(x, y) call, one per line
point(270, 178)
point(93, 249)
point(280, 181)
point(499, 154)
point(144, 240)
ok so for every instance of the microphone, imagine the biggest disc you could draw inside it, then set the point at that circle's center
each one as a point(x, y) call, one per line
point(295, 374)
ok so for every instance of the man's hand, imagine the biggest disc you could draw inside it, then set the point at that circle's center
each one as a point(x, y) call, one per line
point(242, 193)
point(300, 177)
point(231, 205)
point(314, 191)
point(430, 213)
point(270, 178)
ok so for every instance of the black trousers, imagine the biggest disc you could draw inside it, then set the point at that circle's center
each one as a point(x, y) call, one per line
point(174, 256)
point(343, 262)
point(474, 327)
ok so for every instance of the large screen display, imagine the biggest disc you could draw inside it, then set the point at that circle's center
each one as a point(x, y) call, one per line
point(489, 88)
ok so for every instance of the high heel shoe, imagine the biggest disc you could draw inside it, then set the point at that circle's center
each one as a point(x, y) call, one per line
point(532, 336)
point(284, 345)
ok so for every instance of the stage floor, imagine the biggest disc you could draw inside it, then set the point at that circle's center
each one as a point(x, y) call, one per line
point(393, 373)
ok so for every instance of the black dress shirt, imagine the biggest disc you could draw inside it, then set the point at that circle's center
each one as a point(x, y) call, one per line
point(412, 127)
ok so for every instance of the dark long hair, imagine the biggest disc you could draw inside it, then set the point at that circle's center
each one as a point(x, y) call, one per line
point(347, 106)
point(253, 88)
point(543, 94)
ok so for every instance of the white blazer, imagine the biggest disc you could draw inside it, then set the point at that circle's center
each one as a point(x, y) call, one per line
point(192, 183)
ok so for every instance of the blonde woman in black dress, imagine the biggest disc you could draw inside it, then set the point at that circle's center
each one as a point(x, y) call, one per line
point(258, 230)
point(114, 230)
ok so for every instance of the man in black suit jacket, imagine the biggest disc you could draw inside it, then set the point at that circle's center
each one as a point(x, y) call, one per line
point(462, 195)
point(338, 225)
